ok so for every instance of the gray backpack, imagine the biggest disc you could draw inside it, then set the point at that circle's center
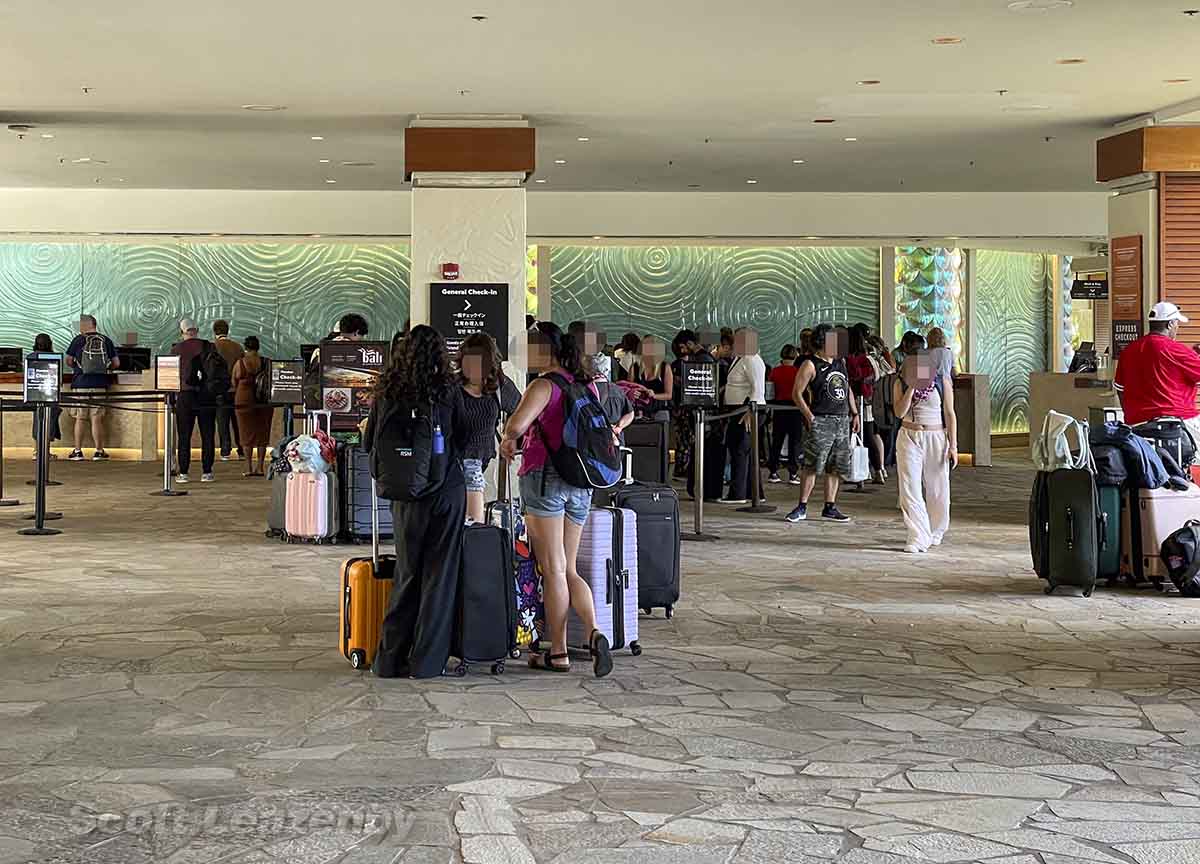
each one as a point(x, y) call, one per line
point(94, 359)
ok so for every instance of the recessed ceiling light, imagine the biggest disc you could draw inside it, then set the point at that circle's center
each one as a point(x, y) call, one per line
point(597, 237)
point(1167, 81)
point(314, 235)
point(583, 138)
point(869, 82)
point(93, 233)
point(479, 18)
point(947, 40)
point(318, 137)
point(1039, 5)
point(812, 238)
point(797, 161)
point(1024, 109)
point(214, 234)
point(824, 120)
point(358, 164)
point(1071, 61)
point(751, 181)
point(47, 134)
point(953, 238)
point(560, 161)
point(82, 160)
point(849, 140)
point(323, 161)
point(330, 180)
point(264, 107)
point(539, 180)
point(693, 185)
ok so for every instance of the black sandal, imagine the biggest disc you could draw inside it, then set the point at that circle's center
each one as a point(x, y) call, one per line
point(602, 662)
point(544, 661)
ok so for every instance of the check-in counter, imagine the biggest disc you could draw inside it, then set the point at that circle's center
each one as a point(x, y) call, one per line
point(1074, 395)
point(973, 410)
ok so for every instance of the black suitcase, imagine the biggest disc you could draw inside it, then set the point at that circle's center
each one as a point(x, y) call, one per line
point(1039, 524)
point(1075, 530)
point(486, 626)
point(1169, 433)
point(657, 509)
point(354, 469)
point(651, 455)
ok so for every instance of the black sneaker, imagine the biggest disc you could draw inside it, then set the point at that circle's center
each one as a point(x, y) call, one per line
point(774, 478)
point(833, 514)
point(99, 456)
point(76, 455)
point(799, 514)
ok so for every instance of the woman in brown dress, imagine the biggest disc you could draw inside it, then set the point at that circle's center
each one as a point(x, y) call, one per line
point(254, 417)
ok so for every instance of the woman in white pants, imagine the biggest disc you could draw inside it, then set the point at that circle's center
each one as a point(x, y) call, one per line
point(926, 450)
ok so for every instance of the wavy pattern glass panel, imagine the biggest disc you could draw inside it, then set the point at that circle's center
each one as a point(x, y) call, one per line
point(930, 293)
point(40, 292)
point(1012, 290)
point(660, 289)
point(285, 293)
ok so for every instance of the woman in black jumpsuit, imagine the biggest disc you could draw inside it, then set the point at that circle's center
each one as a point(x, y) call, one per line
point(418, 629)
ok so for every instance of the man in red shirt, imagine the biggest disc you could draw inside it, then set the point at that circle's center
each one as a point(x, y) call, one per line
point(1157, 375)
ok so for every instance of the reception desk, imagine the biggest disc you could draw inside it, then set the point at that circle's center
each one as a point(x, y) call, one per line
point(1074, 395)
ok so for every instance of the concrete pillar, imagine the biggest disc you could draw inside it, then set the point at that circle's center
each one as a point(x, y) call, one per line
point(481, 230)
point(971, 357)
point(887, 295)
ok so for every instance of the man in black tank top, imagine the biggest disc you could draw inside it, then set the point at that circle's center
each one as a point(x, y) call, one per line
point(822, 392)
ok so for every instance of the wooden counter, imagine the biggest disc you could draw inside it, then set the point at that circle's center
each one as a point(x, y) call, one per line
point(1074, 395)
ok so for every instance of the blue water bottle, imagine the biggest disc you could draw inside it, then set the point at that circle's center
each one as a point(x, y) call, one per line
point(439, 440)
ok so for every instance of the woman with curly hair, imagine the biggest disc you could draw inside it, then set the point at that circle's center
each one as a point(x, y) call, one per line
point(486, 394)
point(555, 511)
point(418, 386)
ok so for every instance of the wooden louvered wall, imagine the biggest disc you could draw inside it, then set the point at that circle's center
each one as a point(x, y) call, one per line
point(1179, 252)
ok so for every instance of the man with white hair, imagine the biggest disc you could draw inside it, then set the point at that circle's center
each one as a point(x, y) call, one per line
point(194, 406)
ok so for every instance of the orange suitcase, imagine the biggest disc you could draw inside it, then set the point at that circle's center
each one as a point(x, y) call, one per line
point(366, 588)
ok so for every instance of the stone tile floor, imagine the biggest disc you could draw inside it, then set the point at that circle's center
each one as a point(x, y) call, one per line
point(169, 691)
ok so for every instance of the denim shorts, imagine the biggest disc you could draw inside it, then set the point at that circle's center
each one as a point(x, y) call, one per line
point(556, 498)
point(473, 470)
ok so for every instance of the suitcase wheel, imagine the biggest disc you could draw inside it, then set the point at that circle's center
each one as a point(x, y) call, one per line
point(670, 611)
point(460, 671)
point(358, 658)
point(498, 668)
point(635, 648)
point(647, 610)
point(1049, 589)
point(515, 654)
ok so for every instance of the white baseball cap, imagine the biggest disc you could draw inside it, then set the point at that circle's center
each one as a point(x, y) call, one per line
point(1167, 312)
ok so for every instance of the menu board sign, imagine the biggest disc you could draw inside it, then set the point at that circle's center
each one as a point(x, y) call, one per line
point(1126, 290)
point(699, 382)
point(287, 382)
point(167, 373)
point(349, 371)
point(43, 377)
point(460, 309)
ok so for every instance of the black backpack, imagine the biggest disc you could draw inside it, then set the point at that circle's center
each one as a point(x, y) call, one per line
point(1179, 553)
point(588, 457)
point(210, 374)
point(262, 384)
point(408, 459)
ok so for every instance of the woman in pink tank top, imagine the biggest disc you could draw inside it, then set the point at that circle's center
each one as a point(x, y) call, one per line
point(555, 511)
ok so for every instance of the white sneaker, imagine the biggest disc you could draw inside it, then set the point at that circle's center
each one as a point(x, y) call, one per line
point(207, 478)
point(182, 478)
point(913, 550)
point(774, 478)
point(936, 541)
point(225, 458)
point(795, 480)
point(733, 500)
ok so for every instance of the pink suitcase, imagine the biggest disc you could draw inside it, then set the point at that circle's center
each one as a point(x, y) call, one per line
point(1159, 514)
point(310, 507)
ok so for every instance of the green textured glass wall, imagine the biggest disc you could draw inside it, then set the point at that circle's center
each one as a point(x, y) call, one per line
point(931, 292)
point(661, 289)
point(284, 293)
point(1012, 296)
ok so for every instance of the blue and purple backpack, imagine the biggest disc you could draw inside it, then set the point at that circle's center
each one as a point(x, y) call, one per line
point(589, 457)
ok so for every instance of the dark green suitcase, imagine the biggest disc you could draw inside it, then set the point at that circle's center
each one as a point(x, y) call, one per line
point(1109, 563)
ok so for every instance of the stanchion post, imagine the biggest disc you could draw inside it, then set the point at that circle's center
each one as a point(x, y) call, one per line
point(39, 529)
point(698, 536)
point(169, 490)
point(44, 430)
point(755, 470)
point(289, 421)
point(4, 502)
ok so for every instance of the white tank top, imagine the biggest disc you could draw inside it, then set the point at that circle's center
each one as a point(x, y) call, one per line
point(927, 412)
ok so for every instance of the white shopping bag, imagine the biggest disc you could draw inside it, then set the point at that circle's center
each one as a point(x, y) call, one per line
point(860, 461)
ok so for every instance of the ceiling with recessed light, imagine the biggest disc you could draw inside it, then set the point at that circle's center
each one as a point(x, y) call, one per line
point(925, 95)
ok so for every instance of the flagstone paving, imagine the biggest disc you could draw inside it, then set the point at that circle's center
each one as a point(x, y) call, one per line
point(170, 691)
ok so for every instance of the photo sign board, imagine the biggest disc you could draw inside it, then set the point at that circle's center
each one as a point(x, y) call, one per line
point(699, 382)
point(349, 371)
point(167, 377)
point(43, 378)
point(287, 382)
point(1125, 268)
point(460, 309)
